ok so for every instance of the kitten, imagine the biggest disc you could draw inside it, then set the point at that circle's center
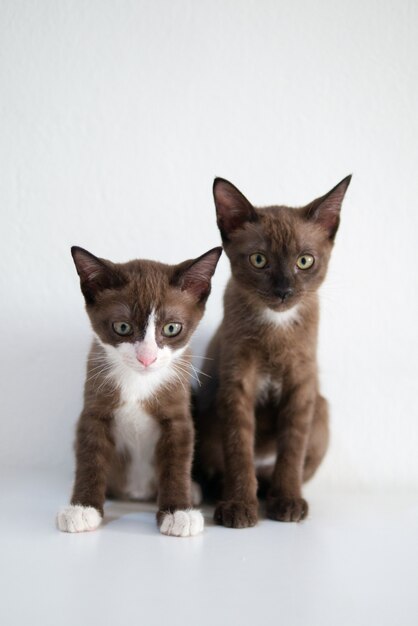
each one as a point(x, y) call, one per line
point(260, 414)
point(135, 434)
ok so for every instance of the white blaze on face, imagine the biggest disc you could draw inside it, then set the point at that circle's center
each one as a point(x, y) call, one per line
point(147, 351)
point(139, 369)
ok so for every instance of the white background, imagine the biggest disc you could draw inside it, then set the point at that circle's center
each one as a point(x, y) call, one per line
point(114, 119)
point(116, 116)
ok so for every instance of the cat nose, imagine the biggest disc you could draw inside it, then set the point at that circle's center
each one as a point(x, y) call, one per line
point(284, 293)
point(146, 359)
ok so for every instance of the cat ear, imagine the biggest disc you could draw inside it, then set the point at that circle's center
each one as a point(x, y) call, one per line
point(233, 209)
point(195, 277)
point(326, 210)
point(95, 274)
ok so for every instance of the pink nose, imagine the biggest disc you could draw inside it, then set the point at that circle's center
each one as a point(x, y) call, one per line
point(146, 359)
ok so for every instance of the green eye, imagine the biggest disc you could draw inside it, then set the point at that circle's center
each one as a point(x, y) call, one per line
point(172, 329)
point(258, 260)
point(305, 261)
point(122, 328)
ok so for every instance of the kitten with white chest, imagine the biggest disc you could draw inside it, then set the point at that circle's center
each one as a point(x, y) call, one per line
point(135, 434)
point(262, 422)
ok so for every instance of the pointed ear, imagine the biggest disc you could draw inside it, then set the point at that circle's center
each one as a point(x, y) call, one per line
point(326, 210)
point(233, 209)
point(95, 274)
point(195, 276)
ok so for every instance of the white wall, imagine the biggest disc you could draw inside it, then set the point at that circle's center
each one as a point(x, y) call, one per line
point(116, 116)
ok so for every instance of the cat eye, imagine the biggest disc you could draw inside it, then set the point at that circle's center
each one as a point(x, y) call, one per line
point(122, 328)
point(305, 261)
point(172, 329)
point(258, 260)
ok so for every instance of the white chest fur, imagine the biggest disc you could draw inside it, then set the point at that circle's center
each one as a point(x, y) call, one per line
point(137, 433)
point(268, 387)
point(281, 319)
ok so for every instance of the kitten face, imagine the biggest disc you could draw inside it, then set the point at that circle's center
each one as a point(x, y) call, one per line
point(278, 239)
point(143, 312)
point(277, 254)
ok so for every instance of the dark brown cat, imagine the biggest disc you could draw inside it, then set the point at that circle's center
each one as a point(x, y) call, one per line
point(260, 414)
point(135, 435)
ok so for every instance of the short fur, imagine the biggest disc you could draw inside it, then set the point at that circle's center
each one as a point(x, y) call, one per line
point(260, 415)
point(135, 434)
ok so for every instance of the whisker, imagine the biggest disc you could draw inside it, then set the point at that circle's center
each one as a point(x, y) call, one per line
point(98, 367)
point(188, 372)
point(196, 369)
point(101, 371)
point(179, 378)
point(197, 376)
point(184, 370)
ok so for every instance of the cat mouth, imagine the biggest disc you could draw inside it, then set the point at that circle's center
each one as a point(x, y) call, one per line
point(278, 303)
point(281, 305)
point(136, 367)
point(150, 369)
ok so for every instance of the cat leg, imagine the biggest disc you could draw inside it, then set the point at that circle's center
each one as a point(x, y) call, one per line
point(94, 449)
point(284, 499)
point(175, 516)
point(239, 507)
point(318, 438)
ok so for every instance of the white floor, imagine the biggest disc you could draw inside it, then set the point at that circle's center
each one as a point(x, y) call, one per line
point(353, 562)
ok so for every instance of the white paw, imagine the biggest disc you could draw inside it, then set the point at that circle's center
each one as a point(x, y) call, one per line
point(182, 523)
point(196, 494)
point(77, 519)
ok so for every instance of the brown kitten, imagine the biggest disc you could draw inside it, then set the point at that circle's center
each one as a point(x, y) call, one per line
point(261, 415)
point(135, 434)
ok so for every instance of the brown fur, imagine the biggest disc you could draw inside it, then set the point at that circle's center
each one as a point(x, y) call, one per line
point(129, 292)
point(263, 395)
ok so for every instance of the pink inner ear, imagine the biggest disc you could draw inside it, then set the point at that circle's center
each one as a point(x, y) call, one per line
point(326, 210)
point(195, 286)
point(232, 220)
point(196, 278)
point(90, 270)
point(88, 266)
point(328, 216)
point(232, 207)
point(223, 196)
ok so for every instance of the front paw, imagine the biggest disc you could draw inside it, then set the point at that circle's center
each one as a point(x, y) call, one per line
point(185, 523)
point(76, 518)
point(284, 509)
point(236, 514)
